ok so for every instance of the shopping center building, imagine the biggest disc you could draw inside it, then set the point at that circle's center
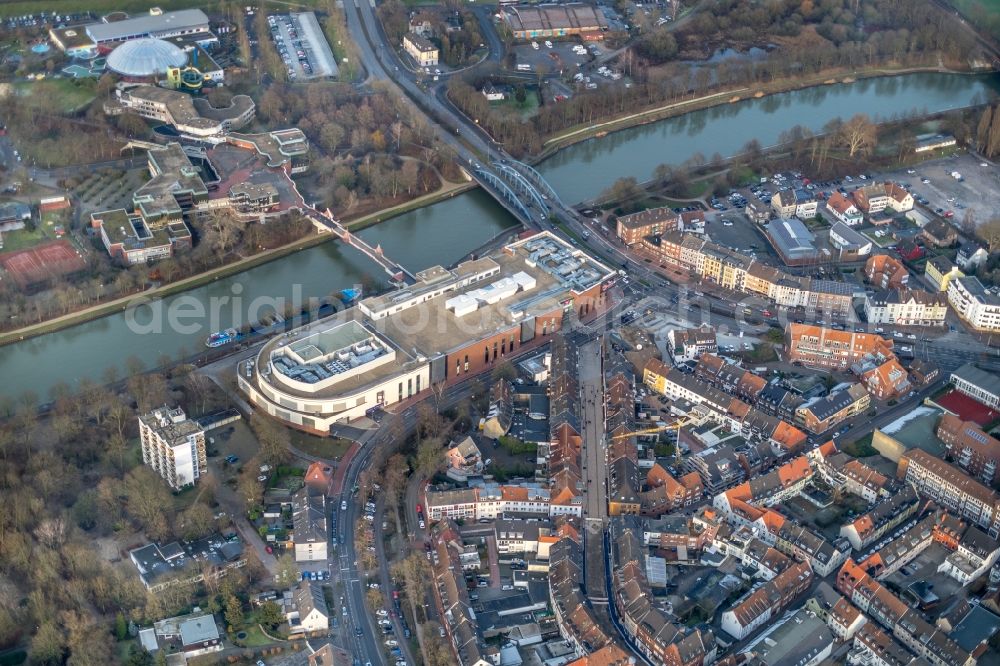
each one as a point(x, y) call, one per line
point(450, 325)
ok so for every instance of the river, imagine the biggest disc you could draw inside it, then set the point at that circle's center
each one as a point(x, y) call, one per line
point(444, 232)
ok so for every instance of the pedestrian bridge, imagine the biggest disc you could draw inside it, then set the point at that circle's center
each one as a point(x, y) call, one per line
point(325, 223)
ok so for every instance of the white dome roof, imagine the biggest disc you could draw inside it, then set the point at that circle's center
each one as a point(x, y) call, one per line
point(145, 57)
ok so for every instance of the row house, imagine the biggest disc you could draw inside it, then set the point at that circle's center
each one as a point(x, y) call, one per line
point(881, 519)
point(573, 614)
point(906, 307)
point(733, 413)
point(722, 266)
point(975, 554)
point(650, 629)
point(729, 377)
point(817, 346)
point(874, 647)
point(664, 493)
point(820, 414)
point(767, 601)
point(886, 379)
point(971, 447)
point(952, 488)
point(766, 489)
point(905, 624)
point(849, 474)
point(794, 203)
point(823, 556)
point(451, 596)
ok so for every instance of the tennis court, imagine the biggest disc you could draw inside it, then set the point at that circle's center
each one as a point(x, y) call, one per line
point(42, 262)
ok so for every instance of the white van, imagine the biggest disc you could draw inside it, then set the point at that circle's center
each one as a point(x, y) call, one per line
point(534, 45)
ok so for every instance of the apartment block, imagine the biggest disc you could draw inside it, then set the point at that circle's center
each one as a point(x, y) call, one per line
point(885, 272)
point(974, 303)
point(820, 414)
point(906, 307)
point(973, 450)
point(816, 346)
point(173, 446)
point(952, 488)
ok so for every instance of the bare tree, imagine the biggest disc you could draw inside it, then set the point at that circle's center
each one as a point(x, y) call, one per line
point(860, 135)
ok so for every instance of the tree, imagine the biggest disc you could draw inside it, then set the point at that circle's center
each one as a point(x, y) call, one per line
point(860, 135)
point(47, 645)
point(273, 438)
point(196, 522)
point(624, 191)
point(234, 613)
point(121, 628)
point(270, 614)
point(375, 599)
point(137, 656)
point(430, 457)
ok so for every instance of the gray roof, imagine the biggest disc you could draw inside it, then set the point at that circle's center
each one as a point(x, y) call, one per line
point(984, 380)
point(823, 408)
point(199, 629)
point(309, 597)
point(140, 26)
point(792, 238)
point(145, 57)
point(852, 237)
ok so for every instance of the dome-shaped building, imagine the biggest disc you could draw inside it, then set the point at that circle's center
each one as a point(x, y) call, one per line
point(145, 57)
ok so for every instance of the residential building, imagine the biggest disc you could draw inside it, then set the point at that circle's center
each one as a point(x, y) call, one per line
point(804, 545)
point(758, 212)
point(939, 271)
point(971, 255)
point(550, 20)
point(881, 519)
point(877, 197)
point(977, 552)
point(188, 562)
point(464, 459)
point(794, 203)
point(767, 601)
point(820, 414)
point(952, 488)
point(977, 384)
point(938, 233)
point(173, 446)
point(886, 380)
point(885, 272)
point(843, 210)
point(971, 448)
point(923, 372)
point(500, 412)
point(977, 305)
point(717, 264)
point(909, 250)
point(665, 493)
point(848, 241)
point(906, 307)
point(844, 472)
point(310, 532)
point(632, 228)
point(652, 631)
point(308, 611)
point(905, 624)
point(688, 344)
point(874, 647)
point(491, 92)
point(423, 52)
point(518, 535)
point(816, 346)
point(191, 635)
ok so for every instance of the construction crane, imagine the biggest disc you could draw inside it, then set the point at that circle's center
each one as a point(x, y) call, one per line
point(676, 425)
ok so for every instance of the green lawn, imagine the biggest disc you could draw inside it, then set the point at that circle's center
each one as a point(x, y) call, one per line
point(61, 95)
point(526, 109)
point(22, 238)
point(322, 447)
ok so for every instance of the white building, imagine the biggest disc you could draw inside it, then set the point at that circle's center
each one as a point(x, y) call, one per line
point(976, 553)
point(977, 384)
point(906, 307)
point(308, 610)
point(173, 446)
point(974, 303)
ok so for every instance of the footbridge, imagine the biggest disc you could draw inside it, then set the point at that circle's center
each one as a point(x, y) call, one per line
point(326, 223)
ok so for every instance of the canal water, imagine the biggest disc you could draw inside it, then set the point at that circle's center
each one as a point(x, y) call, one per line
point(445, 232)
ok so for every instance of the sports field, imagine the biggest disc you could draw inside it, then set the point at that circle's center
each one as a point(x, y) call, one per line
point(42, 262)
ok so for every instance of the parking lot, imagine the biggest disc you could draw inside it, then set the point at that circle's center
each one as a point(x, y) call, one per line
point(560, 57)
point(302, 46)
point(977, 191)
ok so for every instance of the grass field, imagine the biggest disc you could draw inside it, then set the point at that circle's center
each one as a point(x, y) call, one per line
point(982, 13)
point(63, 95)
point(21, 239)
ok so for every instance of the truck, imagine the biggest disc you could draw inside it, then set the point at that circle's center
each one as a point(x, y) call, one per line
point(523, 67)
